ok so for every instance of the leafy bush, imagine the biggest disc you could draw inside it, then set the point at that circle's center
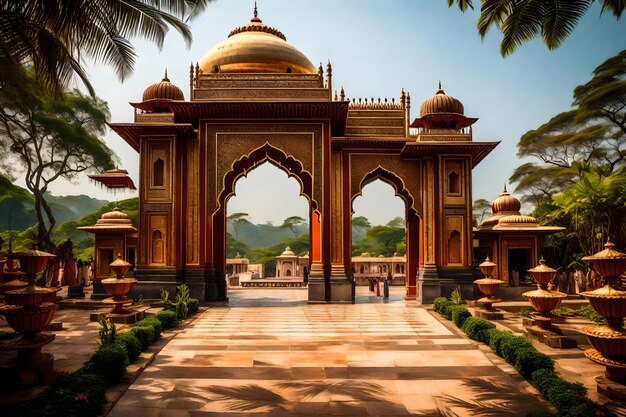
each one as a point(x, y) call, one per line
point(530, 360)
point(459, 315)
point(145, 334)
point(439, 303)
point(131, 344)
point(512, 345)
point(455, 296)
point(182, 298)
point(590, 314)
point(193, 304)
point(167, 318)
point(477, 329)
point(562, 394)
point(153, 322)
point(80, 394)
point(107, 330)
point(497, 338)
point(588, 408)
point(110, 361)
point(447, 310)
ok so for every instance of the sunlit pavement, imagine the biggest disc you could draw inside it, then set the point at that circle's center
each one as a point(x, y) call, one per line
point(267, 352)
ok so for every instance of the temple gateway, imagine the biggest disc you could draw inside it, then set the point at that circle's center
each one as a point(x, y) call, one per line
point(255, 98)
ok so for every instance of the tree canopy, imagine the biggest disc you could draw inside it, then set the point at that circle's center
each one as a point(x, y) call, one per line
point(47, 138)
point(521, 21)
point(577, 168)
point(293, 223)
point(56, 37)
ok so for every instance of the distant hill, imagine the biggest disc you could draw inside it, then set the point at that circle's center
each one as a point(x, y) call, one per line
point(263, 235)
point(17, 206)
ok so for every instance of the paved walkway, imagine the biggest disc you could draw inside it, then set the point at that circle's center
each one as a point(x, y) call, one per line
point(268, 353)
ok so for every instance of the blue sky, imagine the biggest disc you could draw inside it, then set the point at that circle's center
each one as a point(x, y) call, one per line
point(376, 49)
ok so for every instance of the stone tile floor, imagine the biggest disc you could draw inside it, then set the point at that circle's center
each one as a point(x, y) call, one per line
point(267, 352)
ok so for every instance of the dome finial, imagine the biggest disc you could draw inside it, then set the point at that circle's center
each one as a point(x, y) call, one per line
point(440, 90)
point(505, 188)
point(165, 76)
point(255, 17)
point(440, 84)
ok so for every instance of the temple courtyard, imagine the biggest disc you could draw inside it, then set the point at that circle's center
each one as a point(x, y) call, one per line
point(269, 352)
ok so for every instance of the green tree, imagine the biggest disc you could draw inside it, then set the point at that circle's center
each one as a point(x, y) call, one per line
point(397, 222)
point(234, 246)
point(237, 220)
point(293, 223)
point(51, 138)
point(480, 209)
point(360, 226)
point(577, 168)
point(521, 21)
point(388, 237)
point(56, 36)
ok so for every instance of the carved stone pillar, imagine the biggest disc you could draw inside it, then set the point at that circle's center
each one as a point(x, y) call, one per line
point(428, 281)
point(340, 285)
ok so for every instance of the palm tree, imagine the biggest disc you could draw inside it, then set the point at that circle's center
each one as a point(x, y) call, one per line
point(523, 20)
point(55, 37)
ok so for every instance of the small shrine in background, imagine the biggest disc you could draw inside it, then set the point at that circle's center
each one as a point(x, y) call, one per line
point(510, 239)
point(114, 233)
point(366, 267)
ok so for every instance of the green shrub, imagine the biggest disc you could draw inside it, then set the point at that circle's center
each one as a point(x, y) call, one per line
point(455, 296)
point(145, 334)
point(107, 330)
point(541, 379)
point(152, 322)
point(530, 360)
point(459, 315)
point(589, 408)
point(565, 395)
point(110, 361)
point(167, 318)
point(511, 345)
point(80, 394)
point(131, 344)
point(526, 311)
point(182, 298)
point(447, 310)
point(193, 305)
point(477, 329)
point(439, 303)
point(590, 314)
point(496, 338)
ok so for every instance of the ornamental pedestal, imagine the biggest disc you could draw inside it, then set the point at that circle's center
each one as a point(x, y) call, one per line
point(609, 341)
point(488, 286)
point(29, 310)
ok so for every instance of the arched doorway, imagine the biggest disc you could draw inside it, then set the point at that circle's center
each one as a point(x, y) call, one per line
point(267, 215)
point(400, 233)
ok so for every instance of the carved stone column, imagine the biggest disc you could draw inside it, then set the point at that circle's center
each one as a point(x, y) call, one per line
point(428, 280)
point(340, 285)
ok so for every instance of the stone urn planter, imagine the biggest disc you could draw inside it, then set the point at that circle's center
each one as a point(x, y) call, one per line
point(609, 341)
point(29, 310)
point(488, 286)
point(119, 287)
point(542, 299)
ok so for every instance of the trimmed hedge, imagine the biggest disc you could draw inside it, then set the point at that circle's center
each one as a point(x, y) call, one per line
point(511, 346)
point(167, 318)
point(478, 329)
point(439, 303)
point(497, 338)
point(131, 343)
point(568, 398)
point(193, 304)
point(145, 334)
point(153, 322)
point(530, 360)
point(459, 315)
point(110, 361)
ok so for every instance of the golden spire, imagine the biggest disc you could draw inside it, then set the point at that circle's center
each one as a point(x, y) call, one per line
point(505, 188)
point(255, 17)
point(165, 76)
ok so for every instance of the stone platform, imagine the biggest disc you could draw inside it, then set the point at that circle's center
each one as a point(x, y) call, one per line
point(273, 283)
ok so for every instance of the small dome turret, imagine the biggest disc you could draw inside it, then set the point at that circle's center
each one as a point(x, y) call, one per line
point(441, 103)
point(163, 90)
point(505, 203)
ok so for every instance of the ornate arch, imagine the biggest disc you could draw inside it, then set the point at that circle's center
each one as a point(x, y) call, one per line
point(289, 164)
point(390, 178)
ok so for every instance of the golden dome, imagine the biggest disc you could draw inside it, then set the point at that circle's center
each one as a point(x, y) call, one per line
point(112, 221)
point(506, 202)
point(255, 48)
point(441, 103)
point(164, 89)
point(287, 252)
point(518, 220)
